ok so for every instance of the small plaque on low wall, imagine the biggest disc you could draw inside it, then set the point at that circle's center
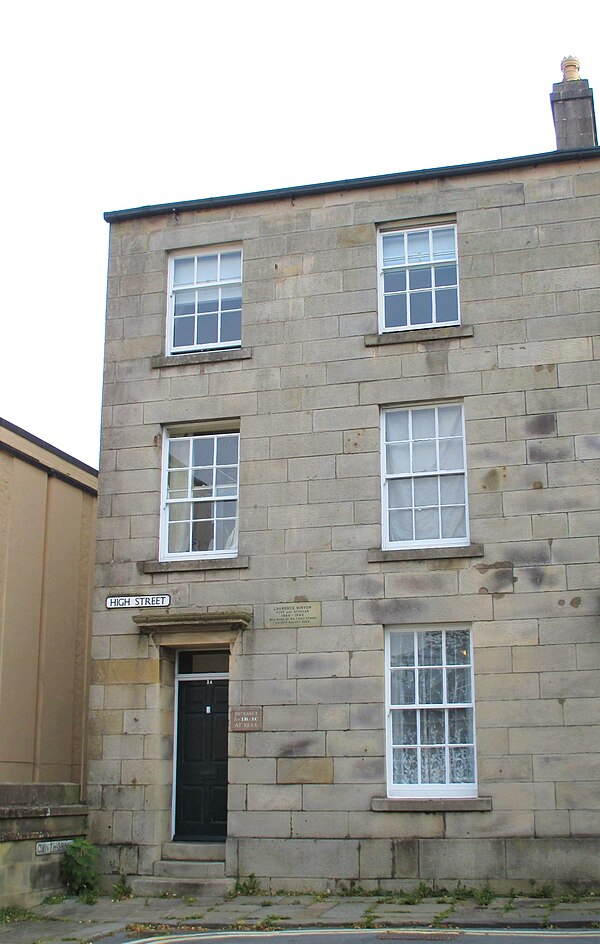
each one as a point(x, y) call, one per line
point(52, 847)
point(245, 719)
point(292, 614)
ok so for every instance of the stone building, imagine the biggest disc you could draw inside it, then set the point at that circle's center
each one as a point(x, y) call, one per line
point(47, 542)
point(347, 616)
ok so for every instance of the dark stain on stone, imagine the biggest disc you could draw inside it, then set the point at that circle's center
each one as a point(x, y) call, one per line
point(547, 367)
point(575, 602)
point(295, 748)
point(493, 478)
point(537, 484)
point(498, 565)
point(544, 424)
point(561, 602)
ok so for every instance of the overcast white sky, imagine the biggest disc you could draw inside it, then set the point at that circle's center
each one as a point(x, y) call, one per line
point(119, 104)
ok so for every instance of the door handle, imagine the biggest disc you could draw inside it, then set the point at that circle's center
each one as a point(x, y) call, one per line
point(208, 709)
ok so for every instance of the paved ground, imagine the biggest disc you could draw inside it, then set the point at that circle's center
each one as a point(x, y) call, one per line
point(138, 918)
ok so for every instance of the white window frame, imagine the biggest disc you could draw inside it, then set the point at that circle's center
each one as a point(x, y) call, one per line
point(424, 790)
point(389, 544)
point(167, 503)
point(217, 284)
point(430, 263)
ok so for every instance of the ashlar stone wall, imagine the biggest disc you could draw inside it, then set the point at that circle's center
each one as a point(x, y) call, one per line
point(307, 394)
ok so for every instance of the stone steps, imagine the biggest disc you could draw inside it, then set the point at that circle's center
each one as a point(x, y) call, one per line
point(200, 870)
point(194, 851)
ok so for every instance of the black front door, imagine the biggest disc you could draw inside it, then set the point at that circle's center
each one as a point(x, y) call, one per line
point(201, 769)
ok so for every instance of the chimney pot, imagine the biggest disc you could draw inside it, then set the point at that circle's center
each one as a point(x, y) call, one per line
point(570, 69)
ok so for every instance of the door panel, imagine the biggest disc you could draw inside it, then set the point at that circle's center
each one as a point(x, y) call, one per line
point(201, 769)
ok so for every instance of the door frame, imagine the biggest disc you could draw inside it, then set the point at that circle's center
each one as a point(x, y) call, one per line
point(186, 677)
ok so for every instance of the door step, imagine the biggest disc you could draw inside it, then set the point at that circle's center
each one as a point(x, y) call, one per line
point(153, 886)
point(201, 870)
point(194, 851)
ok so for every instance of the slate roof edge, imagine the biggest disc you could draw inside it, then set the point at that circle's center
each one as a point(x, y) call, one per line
point(357, 183)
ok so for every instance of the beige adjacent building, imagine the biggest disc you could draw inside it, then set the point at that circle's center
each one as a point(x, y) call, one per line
point(347, 616)
point(47, 544)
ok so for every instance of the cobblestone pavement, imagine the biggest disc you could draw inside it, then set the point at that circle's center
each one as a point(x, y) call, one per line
point(136, 918)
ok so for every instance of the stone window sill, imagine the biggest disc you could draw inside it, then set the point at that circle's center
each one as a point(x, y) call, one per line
point(202, 357)
point(431, 805)
point(168, 567)
point(375, 555)
point(418, 334)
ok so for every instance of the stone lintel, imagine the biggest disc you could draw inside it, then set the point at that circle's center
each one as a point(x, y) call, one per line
point(188, 630)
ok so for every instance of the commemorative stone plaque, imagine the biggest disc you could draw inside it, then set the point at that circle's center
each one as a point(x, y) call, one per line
point(245, 719)
point(292, 614)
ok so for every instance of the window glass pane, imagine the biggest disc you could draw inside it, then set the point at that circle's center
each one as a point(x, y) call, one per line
point(404, 727)
point(231, 297)
point(225, 534)
point(431, 686)
point(429, 648)
point(450, 420)
point(179, 538)
point(180, 511)
point(208, 300)
point(400, 493)
point(398, 458)
point(185, 303)
point(395, 311)
point(393, 249)
point(452, 489)
point(402, 649)
point(433, 726)
point(433, 765)
point(208, 329)
point(421, 309)
point(418, 246)
point(445, 275)
point(203, 450)
point(401, 526)
point(404, 765)
point(403, 687)
point(460, 726)
point(202, 535)
point(458, 647)
point(202, 483)
point(179, 453)
point(225, 509)
point(178, 484)
point(462, 765)
point(394, 281)
point(207, 269)
point(423, 424)
point(424, 457)
point(396, 425)
point(183, 271)
point(183, 332)
point(227, 450)
point(226, 482)
point(231, 265)
point(231, 326)
point(419, 278)
point(446, 305)
point(453, 522)
point(444, 246)
point(203, 510)
point(459, 685)
point(451, 454)
point(427, 526)
point(426, 491)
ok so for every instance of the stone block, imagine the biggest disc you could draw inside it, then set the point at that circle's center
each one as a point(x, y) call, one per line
point(304, 770)
point(319, 825)
point(461, 859)
point(376, 858)
point(288, 745)
point(254, 823)
point(566, 860)
point(273, 797)
point(327, 796)
point(300, 858)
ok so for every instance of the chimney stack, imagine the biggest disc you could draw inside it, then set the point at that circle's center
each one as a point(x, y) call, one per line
point(572, 102)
